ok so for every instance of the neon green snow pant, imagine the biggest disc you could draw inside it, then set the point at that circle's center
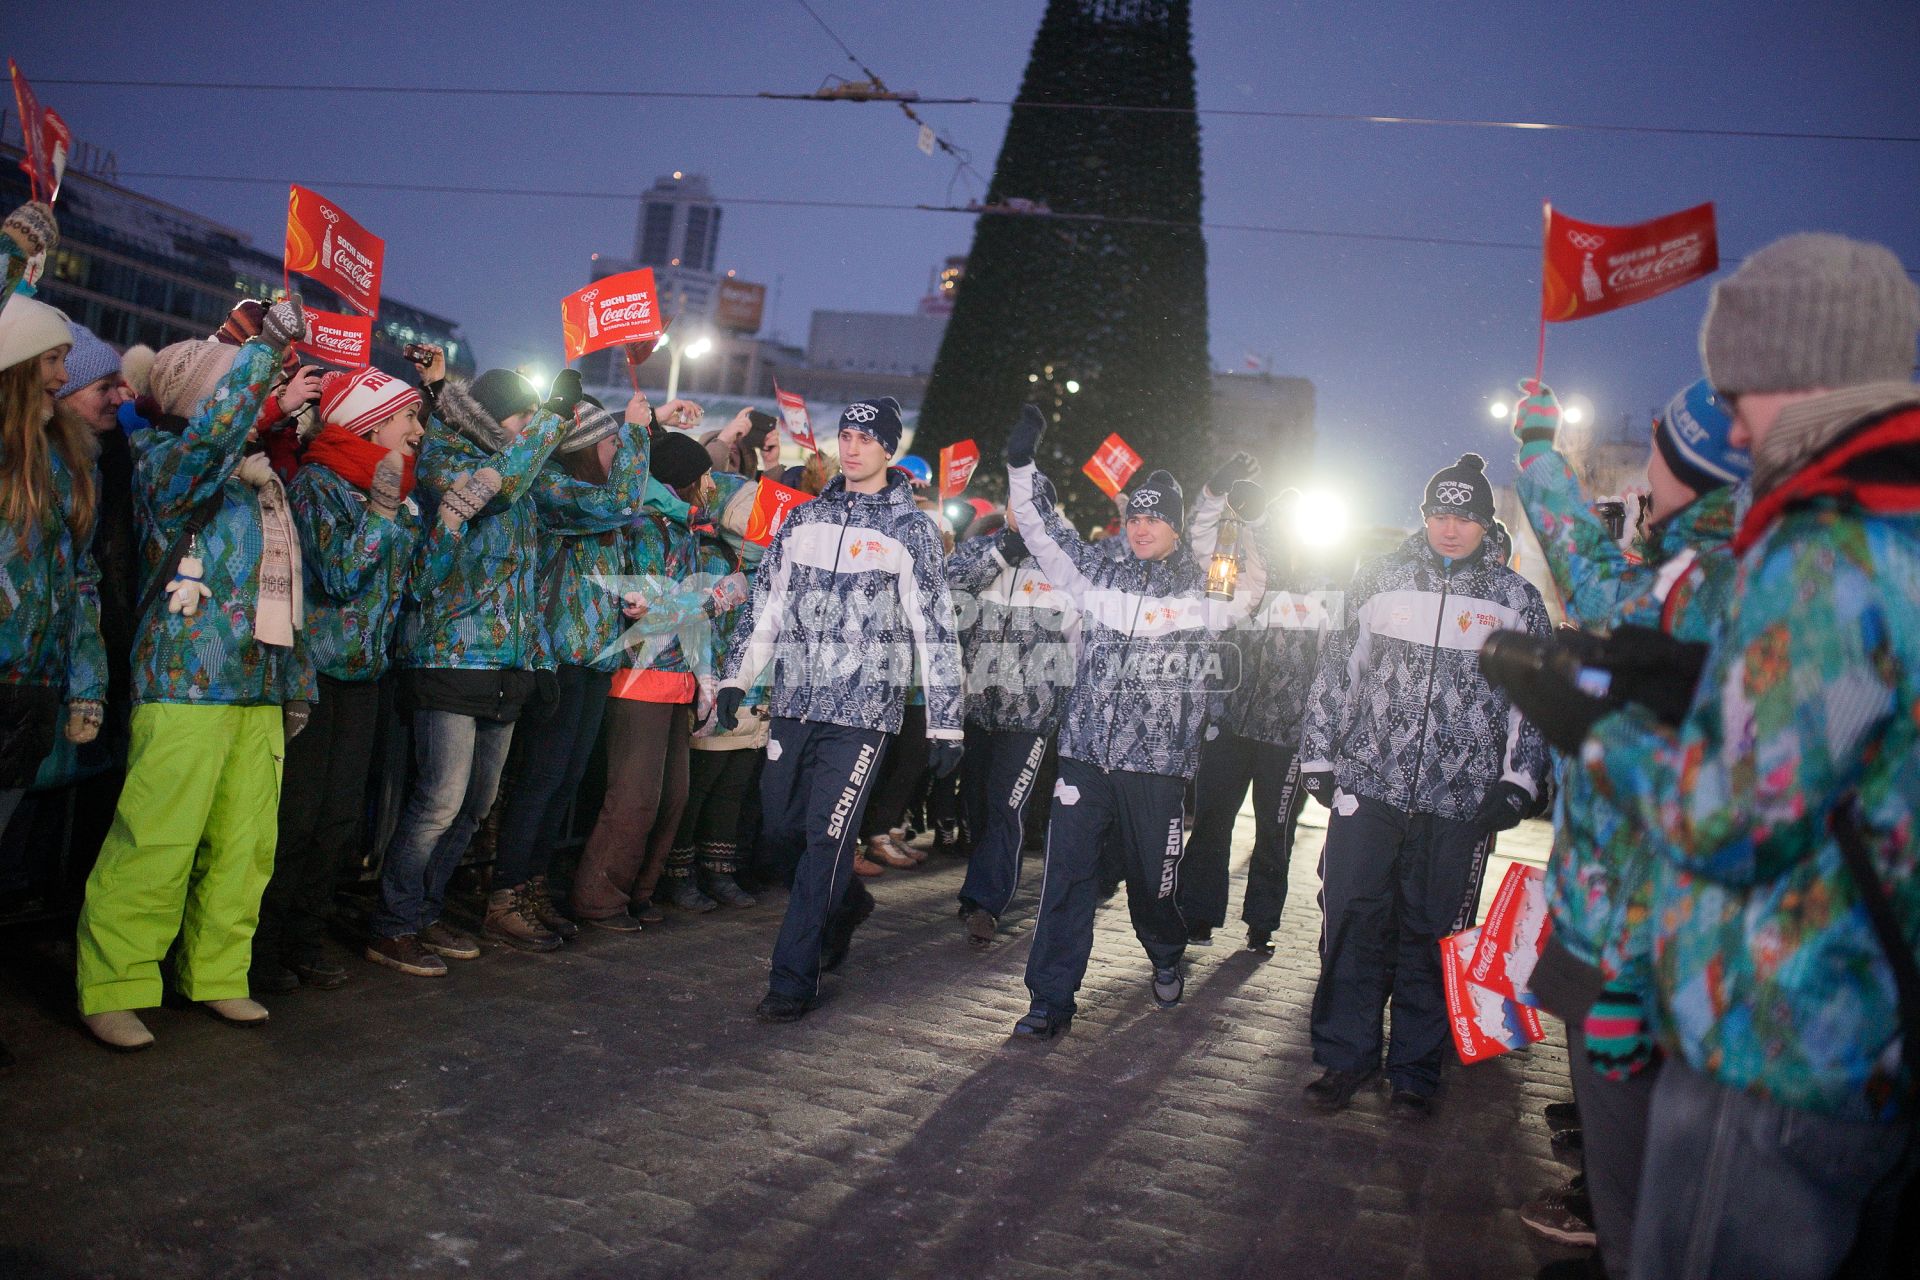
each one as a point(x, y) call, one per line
point(188, 857)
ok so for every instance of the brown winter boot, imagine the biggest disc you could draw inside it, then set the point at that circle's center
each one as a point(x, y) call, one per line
point(511, 919)
point(548, 913)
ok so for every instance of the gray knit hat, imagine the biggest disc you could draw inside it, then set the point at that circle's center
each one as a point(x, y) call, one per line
point(1811, 311)
point(89, 361)
point(591, 424)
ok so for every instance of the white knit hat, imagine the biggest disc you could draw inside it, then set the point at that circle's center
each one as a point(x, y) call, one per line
point(28, 328)
point(361, 401)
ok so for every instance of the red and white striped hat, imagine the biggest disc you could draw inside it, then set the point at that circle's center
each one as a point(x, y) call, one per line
point(361, 401)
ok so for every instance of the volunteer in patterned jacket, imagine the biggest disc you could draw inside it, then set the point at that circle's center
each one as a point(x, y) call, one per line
point(1253, 733)
point(470, 646)
point(1782, 1120)
point(1150, 659)
point(850, 596)
point(1594, 972)
point(1421, 760)
point(1022, 648)
point(360, 529)
point(221, 648)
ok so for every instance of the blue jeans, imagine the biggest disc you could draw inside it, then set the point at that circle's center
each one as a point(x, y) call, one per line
point(1738, 1186)
point(458, 761)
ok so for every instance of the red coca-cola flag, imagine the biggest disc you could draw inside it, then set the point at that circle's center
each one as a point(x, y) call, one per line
point(611, 312)
point(793, 412)
point(343, 340)
point(1485, 1023)
point(1588, 269)
point(326, 245)
point(957, 462)
point(45, 139)
point(771, 507)
point(1112, 465)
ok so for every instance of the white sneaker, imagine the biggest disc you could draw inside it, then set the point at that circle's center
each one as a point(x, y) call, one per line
point(240, 1012)
point(119, 1029)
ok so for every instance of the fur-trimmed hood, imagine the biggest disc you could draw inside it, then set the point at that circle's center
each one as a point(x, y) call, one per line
point(457, 408)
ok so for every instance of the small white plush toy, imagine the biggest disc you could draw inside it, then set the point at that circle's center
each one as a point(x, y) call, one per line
point(186, 591)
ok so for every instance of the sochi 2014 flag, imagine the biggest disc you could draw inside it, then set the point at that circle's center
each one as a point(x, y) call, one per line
point(343, 340)
point(957, 462)
point(611, 312)
point(45, 140)
point(326, 245)
point(771, 507)
point(1588, 269)
point(1112, 465)
point(793, 412)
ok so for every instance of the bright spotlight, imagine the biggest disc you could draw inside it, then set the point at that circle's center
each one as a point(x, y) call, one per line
point(1072, 386)
point(1499, 409)
point(1574, 415)
point(537, 377)
point(698, 347)
point(1320, 518)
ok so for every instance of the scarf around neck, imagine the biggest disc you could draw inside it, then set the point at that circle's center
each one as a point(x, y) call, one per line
point(354, 458)
point(277, 606)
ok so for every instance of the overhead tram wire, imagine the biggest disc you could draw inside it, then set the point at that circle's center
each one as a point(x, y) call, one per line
point(1258, 113)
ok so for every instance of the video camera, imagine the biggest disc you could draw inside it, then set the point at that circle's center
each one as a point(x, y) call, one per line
point(1641, 665)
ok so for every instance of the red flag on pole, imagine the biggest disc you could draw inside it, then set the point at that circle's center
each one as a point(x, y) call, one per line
point(343, 340)
point(793, 412)
point(326, 245)
point(611, 312)
point(957, 462)
point(45, 140)
point(1112, 465)
point(771, 507)
point(1588, 269)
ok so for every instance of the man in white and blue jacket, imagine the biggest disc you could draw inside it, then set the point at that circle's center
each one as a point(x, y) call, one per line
point(1149, 661)
point(1022, 648)
point(850, 598)
point(1421, 761)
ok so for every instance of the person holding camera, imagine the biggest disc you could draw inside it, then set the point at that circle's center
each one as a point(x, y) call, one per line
point(1786, 991)
point(221, 682)
point(1421, 761)
point(1130, 738)
point(850, 598)
point(1593, 973)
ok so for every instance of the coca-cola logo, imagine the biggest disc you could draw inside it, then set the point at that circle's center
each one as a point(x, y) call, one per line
point(345, 340)
point(626, 310)
point(351, 263)
point(1674, 261)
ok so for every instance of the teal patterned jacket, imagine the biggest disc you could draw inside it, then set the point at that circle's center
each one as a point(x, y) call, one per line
point(484, 615)
point(50, 601)
point(1768, 974)
point(212, 657)
point(585, 536)
point(1601, 878)
point(359, 566)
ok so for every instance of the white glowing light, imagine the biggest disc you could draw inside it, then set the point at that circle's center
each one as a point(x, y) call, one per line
point(1321, 518)
point(1072, 386)
point(1574, 415)
point(698, 347)
point(1499, 409)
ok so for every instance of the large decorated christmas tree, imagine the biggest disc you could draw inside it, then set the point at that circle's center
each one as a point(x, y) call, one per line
point(1113, 301)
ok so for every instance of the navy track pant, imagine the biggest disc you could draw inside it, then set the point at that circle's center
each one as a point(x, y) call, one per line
point(814, 787)
point(1002, 770)
point(1142, 812)
point(1393, 884)
point(1229, 764)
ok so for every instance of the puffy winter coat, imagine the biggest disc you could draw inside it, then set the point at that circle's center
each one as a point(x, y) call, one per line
point(484, 615)
point(50, 602)
point(211, 657)
point(1280, 645)
point(1600, 881)
point(585, 532)
point(1399, 708)
point(1020, 635)
point(359, 566)
point(1768, 973)
point(850, 597)
point(1151, 653)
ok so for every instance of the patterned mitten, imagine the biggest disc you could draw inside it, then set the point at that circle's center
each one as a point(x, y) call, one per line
point(84, 717)
point(285, 323)
point(1535, 419)
point(1618, 1043)
point(468, 495)
point(388, 478)
point(33, 228)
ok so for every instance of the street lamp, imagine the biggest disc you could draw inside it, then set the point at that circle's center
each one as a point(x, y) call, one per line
point(676, 353)
point(1499, 409)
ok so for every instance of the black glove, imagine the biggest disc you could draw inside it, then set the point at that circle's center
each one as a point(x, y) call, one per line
point(294, 716)
point(1247, 499)
point(1024, 437)
point(1505, 805)
point(1655, 670)
point(943, 755)
point(1013, 548)
point(726, 709)
point(1318, 784)
point(1563, 714)
point(1241, 466)
point(566, 393)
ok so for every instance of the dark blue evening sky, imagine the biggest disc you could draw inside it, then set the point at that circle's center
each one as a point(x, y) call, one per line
point(1404, 342)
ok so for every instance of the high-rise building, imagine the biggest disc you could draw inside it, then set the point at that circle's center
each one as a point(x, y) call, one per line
point(679, 237)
